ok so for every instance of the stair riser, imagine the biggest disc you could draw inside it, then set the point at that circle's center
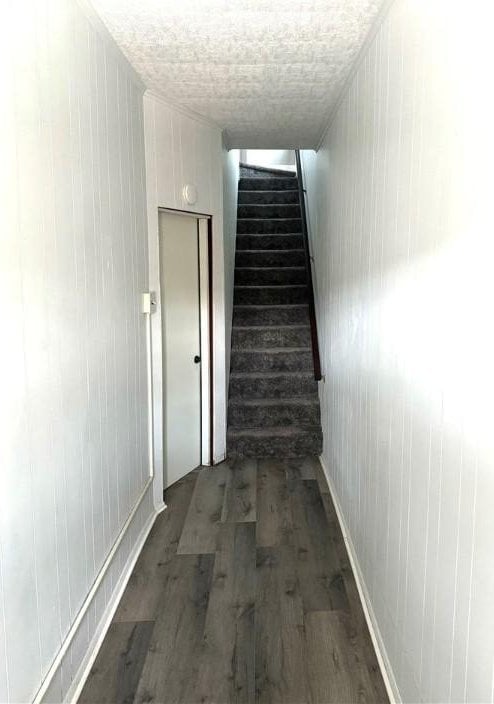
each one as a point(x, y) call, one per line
point(250, 361)
point(275, 295)
point(269, 259)
point(287, 386)
point(267, 184)
point(240, 416)
point(273, 241)
point(284, 315)
point(245, 338)
point(298, 446)
point(268, 211)
point(283, 276)
point(268, 197)
point(266, 226)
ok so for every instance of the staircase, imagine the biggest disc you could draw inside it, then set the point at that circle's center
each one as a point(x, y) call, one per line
point(273, 408)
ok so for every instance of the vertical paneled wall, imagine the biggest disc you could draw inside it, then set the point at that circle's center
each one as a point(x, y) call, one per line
point(184, 149)
point(73, 401)
point(400, 203)
point(231, 172)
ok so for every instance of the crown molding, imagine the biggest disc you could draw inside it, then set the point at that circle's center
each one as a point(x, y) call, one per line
point(178, 107)
point(376, 26)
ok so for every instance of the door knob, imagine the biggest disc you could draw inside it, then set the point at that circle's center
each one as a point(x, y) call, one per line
point(197, 359)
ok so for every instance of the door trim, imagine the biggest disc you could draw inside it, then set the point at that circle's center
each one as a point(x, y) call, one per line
point(205, 248)
point(206, 337)
point(211, 342)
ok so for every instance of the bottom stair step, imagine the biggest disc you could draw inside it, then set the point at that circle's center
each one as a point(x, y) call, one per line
point(290, 441)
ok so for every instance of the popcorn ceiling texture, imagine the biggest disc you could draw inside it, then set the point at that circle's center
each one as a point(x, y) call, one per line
point(267, 73)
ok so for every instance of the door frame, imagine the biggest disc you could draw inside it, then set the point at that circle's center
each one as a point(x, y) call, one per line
point(205, 265)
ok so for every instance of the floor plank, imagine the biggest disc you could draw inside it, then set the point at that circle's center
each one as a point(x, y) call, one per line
point(320, 477)
point(264, 611)
point(281, 672)
point(115, 674)
point(318, 566)
point(336, 672)
point(201, 525)
point(240, 492)
point(274, 522)
point(226, 660)
point(359, 623)
point(145, 587)
point(301, 468)
point(178, 631)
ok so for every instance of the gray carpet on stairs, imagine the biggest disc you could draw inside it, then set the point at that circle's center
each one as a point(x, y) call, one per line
point(273, 408)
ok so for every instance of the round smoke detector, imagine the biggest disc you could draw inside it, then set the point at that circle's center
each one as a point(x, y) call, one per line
point(190, 193)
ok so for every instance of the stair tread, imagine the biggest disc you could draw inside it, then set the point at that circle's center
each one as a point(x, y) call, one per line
point(272, 178)
point(269, 175)
point(275, 430)
point(271, 350)
point(266, 172)
point(271, 327)
point(277, 286)
point(270, 171)
point(269, 234)
point(270, 268)
point(254, 183)
point(271, 251)
point(267, 190)
point(271, 375)
point(259, 215)
point(252, 306)
point(307, 400)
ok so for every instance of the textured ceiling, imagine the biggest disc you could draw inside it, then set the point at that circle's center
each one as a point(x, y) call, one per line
point(267, 72)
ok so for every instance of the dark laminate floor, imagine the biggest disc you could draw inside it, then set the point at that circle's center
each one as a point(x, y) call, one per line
point(243, 593)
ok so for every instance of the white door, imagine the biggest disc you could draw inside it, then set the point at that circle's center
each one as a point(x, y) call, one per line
point(181, 325)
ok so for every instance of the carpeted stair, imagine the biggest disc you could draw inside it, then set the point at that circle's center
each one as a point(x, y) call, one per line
point(273, 408)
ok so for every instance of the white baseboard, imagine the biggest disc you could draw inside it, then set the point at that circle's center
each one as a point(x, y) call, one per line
point(72, 693)
point(375, 633)
point(82, 674)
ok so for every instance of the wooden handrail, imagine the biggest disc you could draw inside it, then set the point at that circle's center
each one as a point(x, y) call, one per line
point(312, 308)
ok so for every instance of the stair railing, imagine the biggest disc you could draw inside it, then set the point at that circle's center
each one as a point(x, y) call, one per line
point(308, 266)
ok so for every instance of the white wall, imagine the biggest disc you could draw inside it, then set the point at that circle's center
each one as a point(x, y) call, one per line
point(182, 148)
point(401, 211)
point(268, 157)
point(73, 402)
point(230, 201)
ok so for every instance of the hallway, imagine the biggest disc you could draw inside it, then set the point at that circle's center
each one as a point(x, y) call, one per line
point(246, 448)
point(243, 592)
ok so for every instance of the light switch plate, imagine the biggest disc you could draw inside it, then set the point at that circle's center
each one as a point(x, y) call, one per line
point(149, 302)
